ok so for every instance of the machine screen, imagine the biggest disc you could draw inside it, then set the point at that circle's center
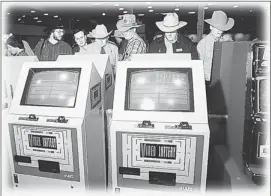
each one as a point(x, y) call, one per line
point(54, 87)
point(41, 141)
point(161, 89)
point(263, 99)
point(157, 151)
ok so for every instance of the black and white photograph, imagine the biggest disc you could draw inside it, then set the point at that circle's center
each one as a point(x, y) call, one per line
point(135, 98)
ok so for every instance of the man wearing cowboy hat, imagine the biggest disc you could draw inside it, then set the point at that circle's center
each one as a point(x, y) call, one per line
point(218, 24)
point(49, 49)
point(102, 45)
point(172, 42)
point(226, 38)
point(135, 44)
point(119, 37)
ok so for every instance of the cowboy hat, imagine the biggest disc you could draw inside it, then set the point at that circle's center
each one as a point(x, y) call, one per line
point(118, 33)
point(129, 21)
point(170, 23)
point(220, 21)
point(99, 32)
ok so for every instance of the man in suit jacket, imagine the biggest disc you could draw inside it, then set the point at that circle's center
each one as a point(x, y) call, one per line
point(102, 45)
point(172, 41)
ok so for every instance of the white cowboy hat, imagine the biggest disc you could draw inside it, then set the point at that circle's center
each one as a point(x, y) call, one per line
point(170, 23)
point(99, 32)
point(119, 24)
point(129, 21)
point(220, 21)
point(118, 33)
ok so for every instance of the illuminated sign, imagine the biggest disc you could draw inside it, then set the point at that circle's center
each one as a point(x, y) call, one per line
point(263, 96)
point(158, 151)
point(41, 141)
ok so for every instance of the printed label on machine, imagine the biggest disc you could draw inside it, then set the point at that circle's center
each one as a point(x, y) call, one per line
point(263, 95)
point(160, 154)
point(265, 53)
point(49, 144)
point(263, 146)
point(40, 141)
point(157, 151)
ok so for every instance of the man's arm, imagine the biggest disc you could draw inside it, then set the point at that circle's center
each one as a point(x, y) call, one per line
point(152, 47)
point(200, 50)
point(28, 49)
point(69, 49)
point(193, 50)
point(37, 49)
point(137, 48)
point(117, 58)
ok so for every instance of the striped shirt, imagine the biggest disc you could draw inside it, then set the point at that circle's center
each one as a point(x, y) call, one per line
point(22, 53)
point(135, 45)
point(46, 51)
point(28, 49)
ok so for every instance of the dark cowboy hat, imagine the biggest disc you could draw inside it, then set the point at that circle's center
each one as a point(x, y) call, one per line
point(53, 27)
point(220, 21)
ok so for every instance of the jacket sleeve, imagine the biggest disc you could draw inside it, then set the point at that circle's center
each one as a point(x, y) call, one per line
point(28, 49)
point(117, 58)
point(69, 50)
point(200, 51)
point(37, 49)
point(152, 47)
point(194, 52)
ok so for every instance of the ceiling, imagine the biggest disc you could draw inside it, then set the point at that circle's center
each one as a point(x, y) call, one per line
point(90, 13)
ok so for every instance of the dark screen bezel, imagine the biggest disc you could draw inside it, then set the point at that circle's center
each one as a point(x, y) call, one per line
point(29, 78)
point(180, 70)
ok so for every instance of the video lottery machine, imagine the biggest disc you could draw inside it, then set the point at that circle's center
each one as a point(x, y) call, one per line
point(56, 126)
point(159, 130)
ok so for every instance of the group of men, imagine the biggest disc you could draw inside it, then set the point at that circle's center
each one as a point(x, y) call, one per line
point(129, 42)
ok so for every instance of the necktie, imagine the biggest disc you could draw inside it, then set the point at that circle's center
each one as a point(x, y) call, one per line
point(102, 51)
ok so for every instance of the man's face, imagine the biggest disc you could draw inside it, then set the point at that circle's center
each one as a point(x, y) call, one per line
point(128, 34)
point(118, 39)
point(101, 41)
point(227, 37)
point(239, 37)
point(12, 50)
point(80, 38)
point(216, 32)
point(58, 34)
point(171, 36)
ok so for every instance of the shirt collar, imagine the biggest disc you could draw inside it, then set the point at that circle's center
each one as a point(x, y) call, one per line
point(165, 39)
point(53, 44)
point(212, 37)
point(20, 53)
point(83, 47)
